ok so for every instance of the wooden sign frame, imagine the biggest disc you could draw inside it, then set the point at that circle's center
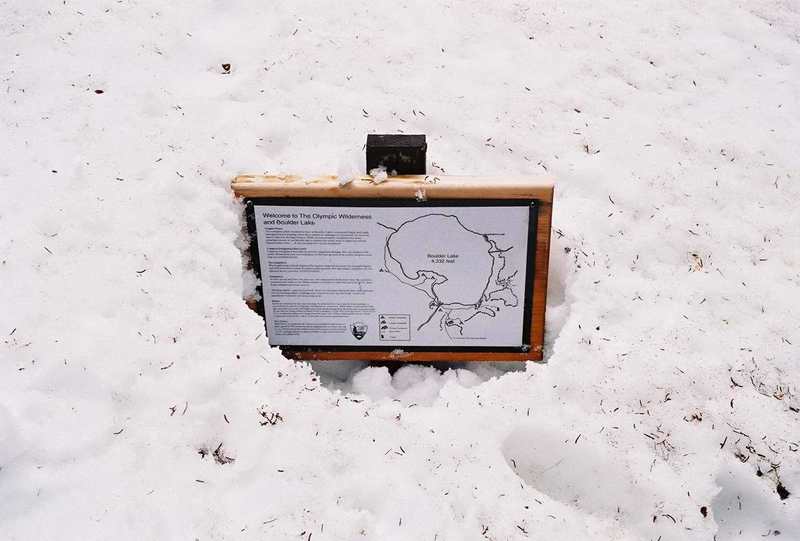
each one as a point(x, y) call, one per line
point(417, 190)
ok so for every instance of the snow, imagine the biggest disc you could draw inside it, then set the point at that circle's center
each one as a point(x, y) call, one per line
point(409, 384)
point(379, 175)
point(668, 405)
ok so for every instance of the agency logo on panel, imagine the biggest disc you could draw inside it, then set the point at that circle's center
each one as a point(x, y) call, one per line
point(359, 329)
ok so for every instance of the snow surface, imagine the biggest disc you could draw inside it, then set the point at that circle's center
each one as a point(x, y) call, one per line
point(138, 397)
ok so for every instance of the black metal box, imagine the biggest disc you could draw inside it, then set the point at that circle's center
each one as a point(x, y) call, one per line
point(403, 154)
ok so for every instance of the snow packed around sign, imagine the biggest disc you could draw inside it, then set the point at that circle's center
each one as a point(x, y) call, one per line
point(140, 400)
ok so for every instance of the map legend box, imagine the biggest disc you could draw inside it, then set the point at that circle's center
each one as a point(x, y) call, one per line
point(394, 327)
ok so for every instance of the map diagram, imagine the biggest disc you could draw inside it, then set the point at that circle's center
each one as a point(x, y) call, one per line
point(462, 272)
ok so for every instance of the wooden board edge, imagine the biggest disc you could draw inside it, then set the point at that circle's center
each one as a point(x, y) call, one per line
point(412, 356)
point(422, 187)
point(541, 273)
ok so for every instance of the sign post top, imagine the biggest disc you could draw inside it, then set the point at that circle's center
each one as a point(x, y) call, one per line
point(402, 153)
point(420, 187)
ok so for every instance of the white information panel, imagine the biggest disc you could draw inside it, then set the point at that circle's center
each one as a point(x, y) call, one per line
point(394, 276)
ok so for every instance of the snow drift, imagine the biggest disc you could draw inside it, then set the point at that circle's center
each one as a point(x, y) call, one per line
point(138, 396)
